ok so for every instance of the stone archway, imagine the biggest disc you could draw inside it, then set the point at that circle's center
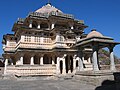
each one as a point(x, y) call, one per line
point(26, 59)
point(61, 67)
point(36, 59)
point(47, 59)
point(71, 64)
point(66, 63)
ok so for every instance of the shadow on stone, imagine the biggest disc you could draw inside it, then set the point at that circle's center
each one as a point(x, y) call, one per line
point(111, 84)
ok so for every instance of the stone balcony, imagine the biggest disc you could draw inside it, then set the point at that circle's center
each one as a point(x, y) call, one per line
point(44, 15)
point(38, 45)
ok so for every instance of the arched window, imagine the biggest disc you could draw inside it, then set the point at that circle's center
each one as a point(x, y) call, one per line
point(34, 24)
point(43, 25)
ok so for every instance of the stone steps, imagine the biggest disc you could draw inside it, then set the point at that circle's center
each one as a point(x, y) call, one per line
point(88, 66)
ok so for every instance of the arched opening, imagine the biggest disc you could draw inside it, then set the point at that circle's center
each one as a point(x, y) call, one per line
point(36, 59)
point(13, 60)
point(47, 59)
point(26, 59)
point(43, 25)
point(55, 60)
point(71, 64)
point(77, 63)
point(66, 63)
point(61, 66)
point(61, 26)
point(34, 24)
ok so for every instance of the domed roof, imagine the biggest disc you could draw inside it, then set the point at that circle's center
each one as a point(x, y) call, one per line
point(94, 33)
point(48, 9)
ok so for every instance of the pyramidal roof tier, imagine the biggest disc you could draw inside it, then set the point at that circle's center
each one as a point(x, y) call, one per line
point(48, 8)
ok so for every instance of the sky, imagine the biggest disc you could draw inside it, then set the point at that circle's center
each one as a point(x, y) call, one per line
point(102, 15)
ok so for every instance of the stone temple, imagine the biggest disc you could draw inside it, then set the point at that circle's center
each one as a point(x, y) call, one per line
point(49, 42)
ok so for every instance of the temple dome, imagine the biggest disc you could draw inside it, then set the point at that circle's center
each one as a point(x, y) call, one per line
point(94, 33)
point(48, 9)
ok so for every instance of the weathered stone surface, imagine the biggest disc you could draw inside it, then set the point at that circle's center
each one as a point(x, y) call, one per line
point(44, 85)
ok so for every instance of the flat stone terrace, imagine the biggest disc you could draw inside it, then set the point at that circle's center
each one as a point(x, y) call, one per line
point(44, 85)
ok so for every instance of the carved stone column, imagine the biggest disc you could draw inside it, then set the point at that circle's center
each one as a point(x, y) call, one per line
point(112, 62)
point(64, 65)
point(41, 60)
point(21, 60)
point(95, 58)
point(80, 58)
point(53, 61)
point(53, 26)
point(6, 63)
point(32, 59)
point(74, 63)
point(58, 65)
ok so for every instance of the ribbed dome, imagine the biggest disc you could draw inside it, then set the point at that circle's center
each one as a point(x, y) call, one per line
point(94, 33)
point(47, 9)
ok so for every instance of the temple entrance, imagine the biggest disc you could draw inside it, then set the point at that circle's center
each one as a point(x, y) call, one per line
point(61, 66)
point(71, 64)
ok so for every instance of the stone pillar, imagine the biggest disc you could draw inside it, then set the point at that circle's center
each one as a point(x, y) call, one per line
point(83, 59)
point(38, 27)
point(74, 64)
point(89, 60)
point(22, 38)
point(6, 63)
point(53, 61)
point(30, 25)
point(58, 65)
point(81, 67)
point(41, 60)
point(64, 65)
point(32, 61)
point(72, 27)
point(95, 58)
point(112, 63)
point(57, 37)
point(21, 60)
point(80, 59)
point(53, 26)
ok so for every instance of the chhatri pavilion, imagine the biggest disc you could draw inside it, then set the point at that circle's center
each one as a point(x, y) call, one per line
point(49, 42)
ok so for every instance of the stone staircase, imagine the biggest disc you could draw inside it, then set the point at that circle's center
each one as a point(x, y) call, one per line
point(88, 66)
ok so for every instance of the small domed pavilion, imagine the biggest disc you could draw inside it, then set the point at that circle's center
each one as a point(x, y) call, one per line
point(96, 41)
